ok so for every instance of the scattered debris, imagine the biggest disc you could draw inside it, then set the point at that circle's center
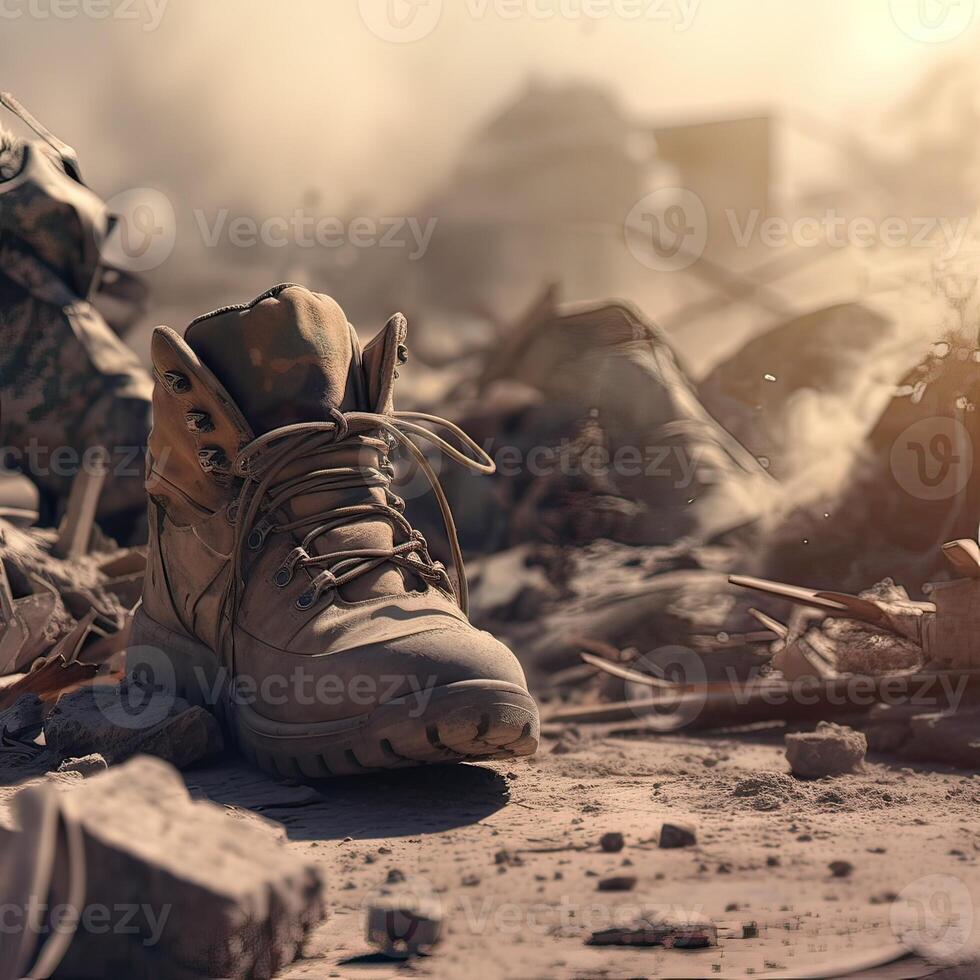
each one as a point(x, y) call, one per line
point(23, 718)
point(829, 750)
point(210, 897)
point(87, 765)
point(612, 841)
point(950, 737)
point(678, 835)
point(617, 883)
point(404, 920)
point(680, 930)
point(123, 720)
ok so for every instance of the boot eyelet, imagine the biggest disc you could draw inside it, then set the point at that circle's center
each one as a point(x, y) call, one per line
point(305, 600)
point(198, 421)
point(231, 513)
point(283, 577)
point(178, 383)
point(212, 459)
point(255, 539)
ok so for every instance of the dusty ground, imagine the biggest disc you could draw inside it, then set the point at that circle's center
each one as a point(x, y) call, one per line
point(510, 852)
point(765, 843)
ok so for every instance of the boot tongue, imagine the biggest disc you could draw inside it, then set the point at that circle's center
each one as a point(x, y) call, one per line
point(288, 356)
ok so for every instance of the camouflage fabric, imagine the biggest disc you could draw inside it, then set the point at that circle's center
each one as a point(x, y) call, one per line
point(68, 383)
point(49, 215)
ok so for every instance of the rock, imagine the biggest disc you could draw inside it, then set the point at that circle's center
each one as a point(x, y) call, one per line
point(678, 835)
point(612, 842)
point(841, 869)
point(204, 895)
point(404, 921)
point(87, 765)
point(617, 883)
point(121, 721)
point(830, 750)
point(24, 718)
point(681, 930)
point(949, 737)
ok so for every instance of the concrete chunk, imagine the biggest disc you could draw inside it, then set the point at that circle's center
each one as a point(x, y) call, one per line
point(120, 721)
point(830, 750)
point(678, 835)
point(204, 895)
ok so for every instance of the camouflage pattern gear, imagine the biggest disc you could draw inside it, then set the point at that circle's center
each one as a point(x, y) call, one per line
point(67, 382)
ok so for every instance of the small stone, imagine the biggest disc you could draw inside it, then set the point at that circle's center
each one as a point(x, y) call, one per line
point(612, 842)
point(678, 835)
point(830, 750)
point(841, 869)
point(87, 765)
point(681, 929)
point(403, 924)
point(119, 721)
point(617, 883)
point(395, 876)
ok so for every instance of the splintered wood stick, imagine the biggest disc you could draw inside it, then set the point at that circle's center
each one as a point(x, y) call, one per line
point(720, 704)
point(75, 532)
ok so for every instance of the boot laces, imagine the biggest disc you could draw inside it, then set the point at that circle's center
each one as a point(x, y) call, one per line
point(261, 465)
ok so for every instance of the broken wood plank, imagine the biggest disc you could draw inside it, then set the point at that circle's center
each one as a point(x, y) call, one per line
point(75, 532)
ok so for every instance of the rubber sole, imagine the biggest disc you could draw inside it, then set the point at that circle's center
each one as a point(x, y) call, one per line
point(467, 720)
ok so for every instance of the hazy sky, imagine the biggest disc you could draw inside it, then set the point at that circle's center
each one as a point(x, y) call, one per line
point(238, 101)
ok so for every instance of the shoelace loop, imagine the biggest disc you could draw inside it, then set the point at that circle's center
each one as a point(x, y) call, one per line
point(263, 460)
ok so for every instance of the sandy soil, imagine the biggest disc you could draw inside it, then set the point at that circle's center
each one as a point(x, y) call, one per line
point(510, 851)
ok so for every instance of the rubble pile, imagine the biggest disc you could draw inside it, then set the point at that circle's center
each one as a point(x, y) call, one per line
point(202, 898)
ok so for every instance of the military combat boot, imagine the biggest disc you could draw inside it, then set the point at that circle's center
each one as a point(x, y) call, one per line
point(285, 586)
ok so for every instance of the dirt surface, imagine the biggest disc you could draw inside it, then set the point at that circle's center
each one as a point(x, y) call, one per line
point(511, 853)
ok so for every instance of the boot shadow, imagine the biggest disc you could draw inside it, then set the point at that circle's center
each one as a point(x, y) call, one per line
point(394, 803)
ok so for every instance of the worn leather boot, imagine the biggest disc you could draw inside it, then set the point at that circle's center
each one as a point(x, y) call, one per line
point(285, 587)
